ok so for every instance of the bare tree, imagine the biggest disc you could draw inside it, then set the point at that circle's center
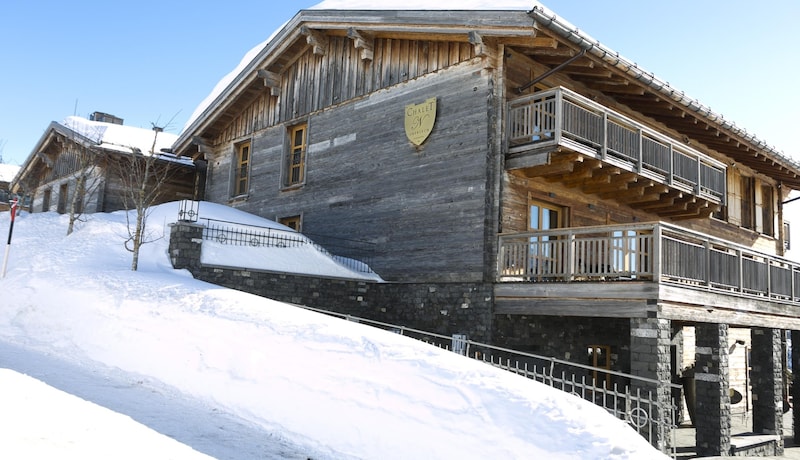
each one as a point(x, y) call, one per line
point(86, 166)
point(143, 176)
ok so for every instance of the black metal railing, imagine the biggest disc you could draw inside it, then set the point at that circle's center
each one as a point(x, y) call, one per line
point(353, 254)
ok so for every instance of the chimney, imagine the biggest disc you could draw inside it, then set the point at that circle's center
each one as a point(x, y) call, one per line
point(105, 118)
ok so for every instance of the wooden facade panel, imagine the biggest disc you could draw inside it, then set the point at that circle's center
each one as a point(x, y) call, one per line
point(573, 307)
point(581, 292)
point(423, 208)
point(314, 82)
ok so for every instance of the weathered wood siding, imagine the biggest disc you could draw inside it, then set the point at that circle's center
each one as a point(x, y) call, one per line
point(179, 185)
point(314, 82)
point(424, 208)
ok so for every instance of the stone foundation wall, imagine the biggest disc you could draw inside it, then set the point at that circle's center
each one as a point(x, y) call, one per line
point(442, 308)
point(566, 338)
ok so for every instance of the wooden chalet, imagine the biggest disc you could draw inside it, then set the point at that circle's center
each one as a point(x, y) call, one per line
point(607, 211)
point(93, 148)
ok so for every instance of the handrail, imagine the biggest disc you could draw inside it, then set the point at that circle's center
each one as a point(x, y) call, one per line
point(402, 330)
point(343, 251)
point(560, 116)
point(654, 251)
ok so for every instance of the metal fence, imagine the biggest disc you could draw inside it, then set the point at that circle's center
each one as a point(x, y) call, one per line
point(353, 254)
point(631, 398)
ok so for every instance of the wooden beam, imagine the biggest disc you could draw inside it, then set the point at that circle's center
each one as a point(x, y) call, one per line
point(617, 88)
point(558, 165)
point(317, 40)
point(666, 200)
point(483, 49)
point(545, 42)
point(362, 42)
point(202, 146)
point(271, 80)
point(617, 183)
point(583, 173)
point(48, 162)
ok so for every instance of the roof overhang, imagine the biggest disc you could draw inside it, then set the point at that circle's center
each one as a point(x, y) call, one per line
point(292, 39)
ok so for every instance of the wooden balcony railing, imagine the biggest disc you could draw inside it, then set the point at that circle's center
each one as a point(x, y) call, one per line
point(653, 252)
point(562, 117)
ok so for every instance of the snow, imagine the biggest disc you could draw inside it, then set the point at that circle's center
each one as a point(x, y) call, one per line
point(119, 137)
point(7, 172)
point(303, 259)
point(48, 422)
point(231, 375)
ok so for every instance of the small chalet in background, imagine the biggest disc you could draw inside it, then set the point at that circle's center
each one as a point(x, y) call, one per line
point(603, 216)
point(92, 147)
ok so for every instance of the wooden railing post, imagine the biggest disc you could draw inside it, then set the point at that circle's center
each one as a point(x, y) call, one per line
point(656, 257)
point(559, 116)
point(768, 263)
point(697, 187)
point(640, 148)
point(570, 265)
point(741, 269)
point(604, 142)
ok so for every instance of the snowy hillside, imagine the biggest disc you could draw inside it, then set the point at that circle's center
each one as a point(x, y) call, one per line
point(295, 383)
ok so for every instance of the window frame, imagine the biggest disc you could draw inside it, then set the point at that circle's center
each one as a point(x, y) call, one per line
point(596, 354)
point(63, 198)
point(239, 164)
point(295, 156)
point(767, 210)
point(288, 220)
point(47, 196)
point(748, 202)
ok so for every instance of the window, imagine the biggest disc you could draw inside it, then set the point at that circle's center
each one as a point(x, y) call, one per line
point(600, 357)
point(63, 193)
point(787, 236)
point(748, 189)
point(293, 222)
point(543, 216)
point(296, 158)
point(767, 215)
point(241, 176)
point(46, 200)
point(544, 253)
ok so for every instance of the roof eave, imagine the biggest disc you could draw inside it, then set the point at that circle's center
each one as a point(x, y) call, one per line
point(566, 31)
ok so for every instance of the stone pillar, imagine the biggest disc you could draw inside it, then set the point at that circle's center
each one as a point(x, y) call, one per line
point(767, 380)
point(650, 358)
point(713, 402)
point(185, 241)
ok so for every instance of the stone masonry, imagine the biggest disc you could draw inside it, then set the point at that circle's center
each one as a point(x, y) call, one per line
point(767, 381)
point(650, 358)
point(442, 308)
point(713, 405)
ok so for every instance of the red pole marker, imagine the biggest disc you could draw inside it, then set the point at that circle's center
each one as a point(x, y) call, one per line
point(14, 204)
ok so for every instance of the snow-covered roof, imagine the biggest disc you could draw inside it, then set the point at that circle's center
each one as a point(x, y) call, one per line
point(544, 16)
point(409, 5)
point(7, 172)
point(119, 137)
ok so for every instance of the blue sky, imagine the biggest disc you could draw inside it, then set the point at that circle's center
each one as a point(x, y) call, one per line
point(155, 61)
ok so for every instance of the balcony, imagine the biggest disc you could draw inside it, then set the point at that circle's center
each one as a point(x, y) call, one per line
point(559, 134)
point(637, 266)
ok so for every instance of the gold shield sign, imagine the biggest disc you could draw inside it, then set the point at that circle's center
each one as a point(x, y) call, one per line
point(419, 120)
